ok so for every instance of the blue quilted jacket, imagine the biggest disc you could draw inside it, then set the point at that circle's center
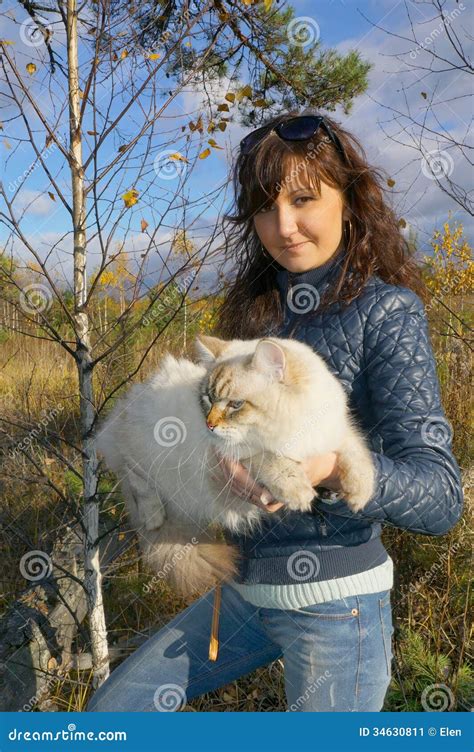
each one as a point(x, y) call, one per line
point(379, 347)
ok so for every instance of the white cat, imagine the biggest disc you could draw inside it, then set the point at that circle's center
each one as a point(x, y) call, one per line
point(268, 403)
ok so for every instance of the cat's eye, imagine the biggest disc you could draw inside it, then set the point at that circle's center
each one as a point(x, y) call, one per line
point(236, 404)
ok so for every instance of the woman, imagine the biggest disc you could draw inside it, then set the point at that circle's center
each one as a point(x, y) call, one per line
point(319, 257)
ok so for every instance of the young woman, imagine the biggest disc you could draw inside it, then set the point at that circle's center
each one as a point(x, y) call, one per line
point(319, 257)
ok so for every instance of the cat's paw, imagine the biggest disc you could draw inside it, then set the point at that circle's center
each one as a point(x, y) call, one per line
point(298, 496)
point(357, 486)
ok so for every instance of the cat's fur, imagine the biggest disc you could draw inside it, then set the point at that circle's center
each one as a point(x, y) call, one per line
point(157, 441)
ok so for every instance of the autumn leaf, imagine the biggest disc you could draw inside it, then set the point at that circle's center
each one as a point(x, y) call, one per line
point(154, 56)
point(222, 126)
point(267, 4)
point(390, 183)
point(214, 144)
point(179, 157)
point(7, 144)
point(31, 68)
point(245, 91)
point(123, 54)
point(52, 196)
point(204, 154)
point(92, 133)
point(223, 108)
point(230, 97)
point(6, 41)
point(143, 225)
point(196, 127)
point(402, 222)
point(260, 103)
point(130, 197)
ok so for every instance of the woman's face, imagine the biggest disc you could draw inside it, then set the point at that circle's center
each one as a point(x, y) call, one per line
point(302, 218)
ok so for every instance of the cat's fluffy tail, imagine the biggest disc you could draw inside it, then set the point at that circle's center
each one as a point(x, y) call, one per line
point(189, 564)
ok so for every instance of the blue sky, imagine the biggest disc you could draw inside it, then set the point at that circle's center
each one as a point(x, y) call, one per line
point(338, 23)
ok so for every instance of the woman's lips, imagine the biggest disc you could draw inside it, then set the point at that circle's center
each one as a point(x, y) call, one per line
point(295, 248)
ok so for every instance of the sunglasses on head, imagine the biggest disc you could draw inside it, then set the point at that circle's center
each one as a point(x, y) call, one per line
point(299, 128)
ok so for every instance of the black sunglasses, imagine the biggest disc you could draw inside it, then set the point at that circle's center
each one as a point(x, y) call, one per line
point(299, 128)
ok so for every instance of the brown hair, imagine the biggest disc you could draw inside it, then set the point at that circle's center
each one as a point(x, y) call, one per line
point(375, 245)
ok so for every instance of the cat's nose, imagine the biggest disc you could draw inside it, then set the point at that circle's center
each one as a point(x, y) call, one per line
point(210, 426)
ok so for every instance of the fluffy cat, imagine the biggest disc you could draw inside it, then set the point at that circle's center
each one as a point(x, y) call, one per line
point(268, 403)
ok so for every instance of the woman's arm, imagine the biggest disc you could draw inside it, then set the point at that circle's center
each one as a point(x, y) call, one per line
point(418, 480)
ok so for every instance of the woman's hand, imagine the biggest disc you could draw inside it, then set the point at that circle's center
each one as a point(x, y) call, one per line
point(322, 470)
point(243, 485)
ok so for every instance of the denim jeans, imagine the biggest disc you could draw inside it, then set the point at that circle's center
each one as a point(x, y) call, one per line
point(336, 655)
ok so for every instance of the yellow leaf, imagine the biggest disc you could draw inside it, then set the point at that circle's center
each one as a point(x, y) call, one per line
point(267, 4)
point(260, 103)
point(178, 157)
point(121, 536)
point(52, 196)
point(222, 126)
point(214, 144)
point(230, 97)
point(143, 225)
point(130, 197)
point(223, 108)
point(154, 56)
point(204, 154)
point(6, 41)
point(123, 54)
point(31, 68)
point(390, 183)
point(402, 222)
point(245, 91)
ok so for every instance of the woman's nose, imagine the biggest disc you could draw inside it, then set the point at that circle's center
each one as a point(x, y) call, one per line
point(287, 225)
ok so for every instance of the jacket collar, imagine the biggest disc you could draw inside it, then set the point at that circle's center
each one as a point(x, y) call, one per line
point(314, 280)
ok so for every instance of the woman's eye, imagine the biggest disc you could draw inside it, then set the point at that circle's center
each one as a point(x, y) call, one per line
point(236, 404)
point(305, 198)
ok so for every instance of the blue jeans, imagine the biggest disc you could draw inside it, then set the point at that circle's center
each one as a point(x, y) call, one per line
point(336, 655)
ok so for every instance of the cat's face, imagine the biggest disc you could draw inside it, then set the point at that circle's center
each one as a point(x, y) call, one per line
point(240, 392)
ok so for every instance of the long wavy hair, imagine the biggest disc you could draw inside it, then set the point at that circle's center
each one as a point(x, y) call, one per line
point(373, 241)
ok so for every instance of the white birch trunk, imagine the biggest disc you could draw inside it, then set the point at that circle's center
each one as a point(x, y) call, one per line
point(93, 578)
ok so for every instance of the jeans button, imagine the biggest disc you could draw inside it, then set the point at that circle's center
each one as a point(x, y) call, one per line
point(355, 611)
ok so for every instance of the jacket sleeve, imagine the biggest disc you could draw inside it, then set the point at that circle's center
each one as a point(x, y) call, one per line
point(418, 481)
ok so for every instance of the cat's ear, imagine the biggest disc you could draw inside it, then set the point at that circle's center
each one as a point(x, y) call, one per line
point(207, 348)
point(269, 359)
